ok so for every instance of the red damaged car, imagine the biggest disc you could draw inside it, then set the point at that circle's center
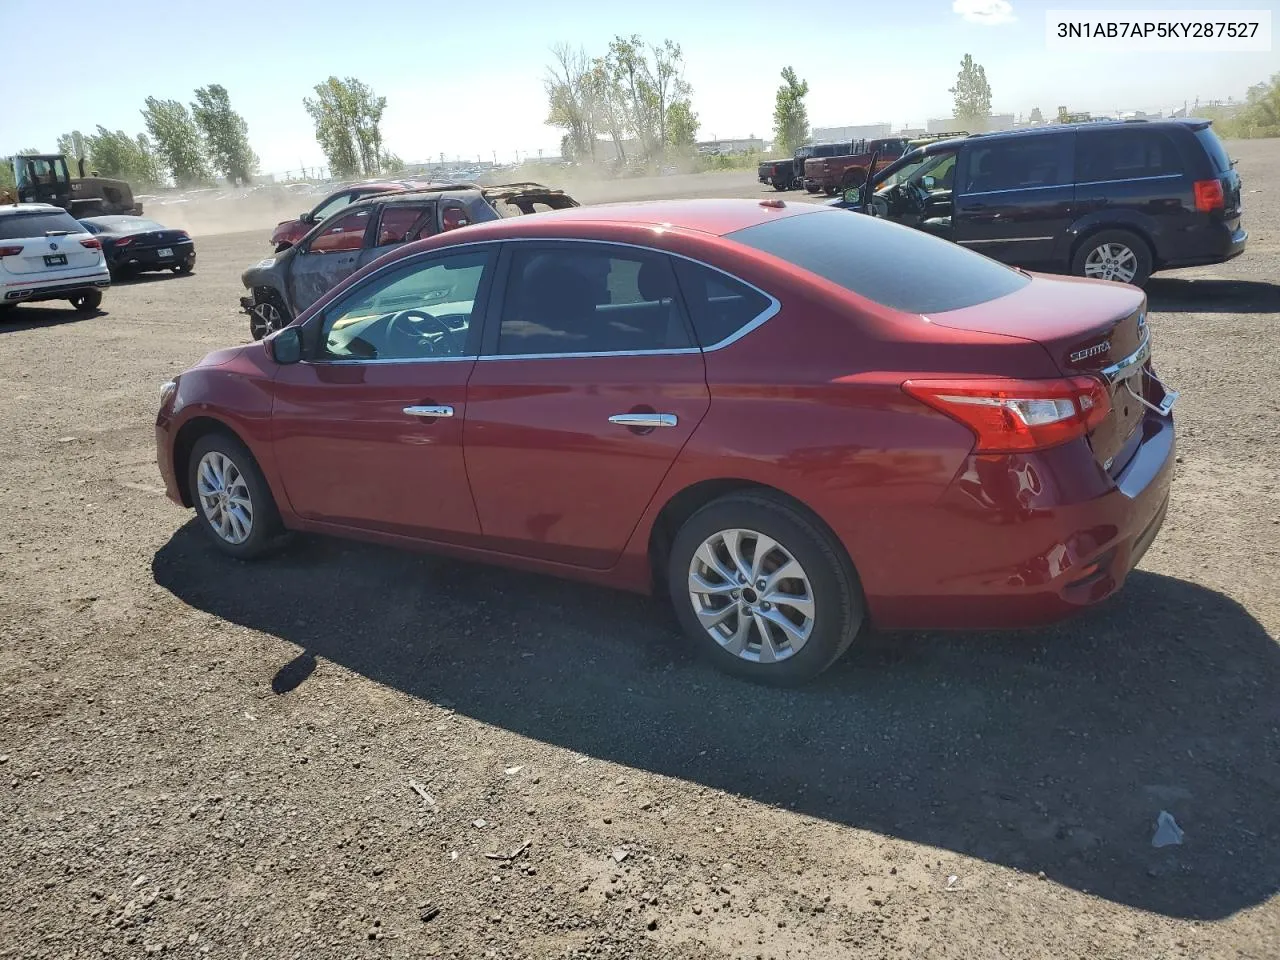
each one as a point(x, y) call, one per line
point(792, 421)
point(289, 232)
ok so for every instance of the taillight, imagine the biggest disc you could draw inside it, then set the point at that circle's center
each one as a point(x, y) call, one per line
point(122, 241)
point(1018, 415)
point(1209, 195)
point(10, 251)
point(93, 243)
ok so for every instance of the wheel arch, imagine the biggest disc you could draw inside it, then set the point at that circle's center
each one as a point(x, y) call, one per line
point(686, 502)
point(189, 434)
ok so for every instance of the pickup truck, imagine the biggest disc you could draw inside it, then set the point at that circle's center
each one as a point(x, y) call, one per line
point(833, 174)
point(788, 173)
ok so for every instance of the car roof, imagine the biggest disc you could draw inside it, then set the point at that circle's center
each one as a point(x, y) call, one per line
point(15, 208)
point(714, 217)
point(1172, 123)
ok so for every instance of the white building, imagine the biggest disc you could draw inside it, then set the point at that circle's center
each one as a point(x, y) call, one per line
point(997, 121)
point(867, 131)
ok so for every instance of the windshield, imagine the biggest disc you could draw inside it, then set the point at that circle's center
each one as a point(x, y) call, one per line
point(935, 165)
point(887, 263)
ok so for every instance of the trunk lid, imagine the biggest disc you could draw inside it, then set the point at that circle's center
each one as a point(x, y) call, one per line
point(1087, 327)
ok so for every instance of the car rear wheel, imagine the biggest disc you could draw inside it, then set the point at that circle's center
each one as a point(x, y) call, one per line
point(267, 316)
point(234, 506)
point(780, 185)
point(1114, 255)
point(762, 591)
point(87, 300)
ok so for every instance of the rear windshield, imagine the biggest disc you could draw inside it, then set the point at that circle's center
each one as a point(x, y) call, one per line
point(1214, 148)
point(23, 226)
point(887, 263)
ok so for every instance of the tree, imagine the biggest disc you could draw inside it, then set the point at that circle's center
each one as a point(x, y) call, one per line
point(123, 157)
point(609, 105)
point(226, 135)
point(74, 147)
point(177, 141)
point(972, 95)
point(790, 116)
point(682, 126)
point(650, 79)
point(348, 117)
point(1036, 116)
point(571, 100)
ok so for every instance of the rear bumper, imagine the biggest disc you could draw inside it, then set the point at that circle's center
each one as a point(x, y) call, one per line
point(1019, 541)
point(18, 291)
point(150, 259)
point(1216, 244)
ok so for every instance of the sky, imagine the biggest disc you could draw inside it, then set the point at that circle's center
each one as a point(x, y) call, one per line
point(467, 81)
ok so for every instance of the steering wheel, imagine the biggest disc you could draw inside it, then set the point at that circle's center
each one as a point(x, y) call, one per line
point(426, 332)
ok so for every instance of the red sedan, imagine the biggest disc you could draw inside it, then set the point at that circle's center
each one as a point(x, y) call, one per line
point(791, 419)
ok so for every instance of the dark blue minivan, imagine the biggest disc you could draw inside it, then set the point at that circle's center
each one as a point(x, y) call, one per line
point(1115, 200)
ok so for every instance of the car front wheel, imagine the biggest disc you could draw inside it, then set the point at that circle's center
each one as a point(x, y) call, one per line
point(267, 316)
point(1114, 255)
point(762, 591)
point(233, 503)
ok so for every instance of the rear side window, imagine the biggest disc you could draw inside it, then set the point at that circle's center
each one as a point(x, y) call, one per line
point(23, 226)
point(1018, 163)
point(887, 263)
point(1103, 155)
point(1214, 148)
point(719, 306)
point(578, 298)
point(402, 223)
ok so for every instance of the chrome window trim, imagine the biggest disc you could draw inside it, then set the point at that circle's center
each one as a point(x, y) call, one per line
point(1004, 240)
point(1160, 176)
point(755, 323)
point(1044, 186)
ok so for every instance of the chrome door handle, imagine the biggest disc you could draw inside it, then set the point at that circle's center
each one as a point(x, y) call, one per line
point(429, 411)
point(644, 419)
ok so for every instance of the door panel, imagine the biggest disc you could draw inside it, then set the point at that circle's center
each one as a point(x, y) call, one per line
point(552, 477)
point(349, 454)
point(330, 256)
point(1015, 198)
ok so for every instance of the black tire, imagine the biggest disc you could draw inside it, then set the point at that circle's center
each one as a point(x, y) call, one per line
point(87, 301)
point(838, 606)
point(265, 527)
point(780, 186)
point(260, 323)
point(829, 191)
point(183, 267)
point(1091, 247)
point(811, 189)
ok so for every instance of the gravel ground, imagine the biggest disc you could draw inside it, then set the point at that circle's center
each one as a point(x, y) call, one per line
point(204, 758)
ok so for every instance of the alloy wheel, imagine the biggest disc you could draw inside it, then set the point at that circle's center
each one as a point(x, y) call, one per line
point(751, 595)
point(224, 497)
point(1111, 261)
point(267, 319)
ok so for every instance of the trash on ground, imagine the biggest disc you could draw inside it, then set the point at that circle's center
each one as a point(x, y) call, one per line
point(1168, 833)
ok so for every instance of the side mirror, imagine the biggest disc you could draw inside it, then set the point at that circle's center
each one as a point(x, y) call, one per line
point(306, 217)
point(853, 195)
point(286, 346)
point(928, 182)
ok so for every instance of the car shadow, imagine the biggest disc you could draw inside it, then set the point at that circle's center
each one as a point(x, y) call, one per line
point(17, 319)
point(1052, 750)
point(1212, 295)
point(133, 279)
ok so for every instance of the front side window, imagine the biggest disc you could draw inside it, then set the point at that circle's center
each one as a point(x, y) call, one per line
point(343, 234)
point(1018, 163)
point(421, 311)
point(1103, 155)
point(940, 166)
point(580, 298)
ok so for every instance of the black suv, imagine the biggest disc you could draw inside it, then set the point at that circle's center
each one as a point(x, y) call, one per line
point(1116, 200)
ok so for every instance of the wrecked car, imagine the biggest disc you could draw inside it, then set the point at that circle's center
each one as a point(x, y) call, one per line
point(282, 286)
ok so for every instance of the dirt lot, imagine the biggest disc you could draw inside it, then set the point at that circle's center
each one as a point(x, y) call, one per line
point(204, 758)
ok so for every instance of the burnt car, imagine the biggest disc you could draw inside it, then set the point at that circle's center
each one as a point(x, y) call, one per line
point(289, 232)
point(133, 245)
point(282, 286)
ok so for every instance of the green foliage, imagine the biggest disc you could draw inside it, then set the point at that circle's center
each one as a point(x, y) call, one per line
point(122, 157)
point(1259, 116)
point(74, 146)
point(790, 116)
point(226, 135)
point(682, 126)
point(178, 141)
point(572, 91)
point(348, 116)
point(972, 95)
